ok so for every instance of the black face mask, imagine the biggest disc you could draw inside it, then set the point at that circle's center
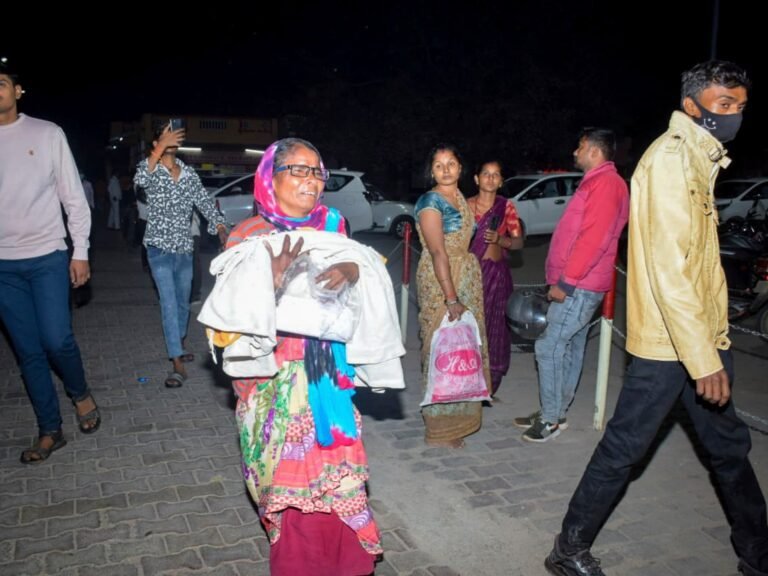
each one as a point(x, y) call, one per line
point(724, 127)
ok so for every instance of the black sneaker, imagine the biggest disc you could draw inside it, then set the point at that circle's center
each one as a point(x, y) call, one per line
point(541, 432)
point(526, 422)
point(581, 563)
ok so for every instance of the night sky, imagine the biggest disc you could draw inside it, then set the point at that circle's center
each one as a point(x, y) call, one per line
point(374, 86)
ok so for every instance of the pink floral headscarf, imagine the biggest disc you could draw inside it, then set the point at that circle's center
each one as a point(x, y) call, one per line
point(264, 194)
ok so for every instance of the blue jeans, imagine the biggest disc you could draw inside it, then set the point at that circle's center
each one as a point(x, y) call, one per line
point(651, 388)
point(34, 306)
point(560, 351)
point(173, 277)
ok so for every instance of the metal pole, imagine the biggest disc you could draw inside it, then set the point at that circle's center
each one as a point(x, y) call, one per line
point(604, 355)
point(406, 281)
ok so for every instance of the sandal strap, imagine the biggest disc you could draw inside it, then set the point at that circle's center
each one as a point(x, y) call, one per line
point(27, 456)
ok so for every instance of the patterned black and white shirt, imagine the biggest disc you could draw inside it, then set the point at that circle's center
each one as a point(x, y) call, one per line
point(170, 205)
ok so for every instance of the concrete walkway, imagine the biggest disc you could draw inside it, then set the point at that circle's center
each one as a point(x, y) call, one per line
point(158, 489)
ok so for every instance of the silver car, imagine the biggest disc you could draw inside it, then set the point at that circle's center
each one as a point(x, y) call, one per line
point(541, 198)
point(735, 198)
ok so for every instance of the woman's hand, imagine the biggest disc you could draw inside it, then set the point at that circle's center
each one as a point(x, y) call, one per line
point(338, 275)
point(491, 237)
point(455, 310)
point(281, 262)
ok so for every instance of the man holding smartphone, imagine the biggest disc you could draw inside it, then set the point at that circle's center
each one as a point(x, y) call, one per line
point(579, 271)
point(173, 191)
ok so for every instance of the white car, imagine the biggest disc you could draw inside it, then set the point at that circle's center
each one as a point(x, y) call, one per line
point(344, 191)
point(212, 182)
point(388, 216)
point(541, 198)
point(734, 198)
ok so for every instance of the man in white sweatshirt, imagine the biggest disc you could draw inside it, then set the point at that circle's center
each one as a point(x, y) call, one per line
point(39, 176)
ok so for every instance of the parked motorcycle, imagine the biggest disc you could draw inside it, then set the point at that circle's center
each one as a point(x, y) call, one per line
point(753, 223)
point(744, 257)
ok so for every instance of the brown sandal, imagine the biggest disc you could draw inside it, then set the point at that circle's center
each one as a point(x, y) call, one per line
point(38, 454)
point(93, 418)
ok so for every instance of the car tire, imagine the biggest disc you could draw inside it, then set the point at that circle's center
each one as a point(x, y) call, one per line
point(398, 226)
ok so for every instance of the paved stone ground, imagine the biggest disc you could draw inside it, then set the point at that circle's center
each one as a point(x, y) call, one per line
point(158, 489)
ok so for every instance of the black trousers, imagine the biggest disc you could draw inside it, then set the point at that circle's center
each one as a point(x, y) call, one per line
point(650, 390)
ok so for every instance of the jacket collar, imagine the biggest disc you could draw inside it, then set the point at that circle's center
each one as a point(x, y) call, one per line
point(684, 126)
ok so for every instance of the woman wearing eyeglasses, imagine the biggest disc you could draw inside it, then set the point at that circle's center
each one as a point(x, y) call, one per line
point(311, 497)
point(498, 231)
point(449, 280)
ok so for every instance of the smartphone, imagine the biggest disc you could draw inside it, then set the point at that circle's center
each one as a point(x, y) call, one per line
point(177, 124)
point(494, 223)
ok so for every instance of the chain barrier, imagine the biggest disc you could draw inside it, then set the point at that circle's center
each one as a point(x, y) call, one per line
point(762, 335)
point(762, 421)
point(756, 333)
point(395, 249)
point(619, 332)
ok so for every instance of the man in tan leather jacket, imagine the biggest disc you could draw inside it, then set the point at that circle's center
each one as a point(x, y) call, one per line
point(677, 328)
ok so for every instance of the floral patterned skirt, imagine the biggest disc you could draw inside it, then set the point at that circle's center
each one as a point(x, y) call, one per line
point(285, 468)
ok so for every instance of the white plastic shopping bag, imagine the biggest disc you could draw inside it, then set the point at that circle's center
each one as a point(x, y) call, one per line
point(455, 371)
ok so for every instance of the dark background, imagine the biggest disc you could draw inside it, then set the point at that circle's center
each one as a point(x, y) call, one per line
point(374, 86)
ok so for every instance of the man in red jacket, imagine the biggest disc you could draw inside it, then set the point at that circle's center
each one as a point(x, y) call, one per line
point(579, 271)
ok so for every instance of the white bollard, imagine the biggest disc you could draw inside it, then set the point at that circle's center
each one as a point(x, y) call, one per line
point(404, 311)
point(604, 357)
point(603, 364)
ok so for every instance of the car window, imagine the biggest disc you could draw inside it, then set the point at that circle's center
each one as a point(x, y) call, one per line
point(374, 191)
point(570, 185)
point(336, 182)
point(244, 186)
point(514, 186)
point(760, 192)
point(546, 189)
point(730, 189)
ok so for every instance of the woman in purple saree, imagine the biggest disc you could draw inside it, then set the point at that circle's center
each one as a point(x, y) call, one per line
point(498, 231)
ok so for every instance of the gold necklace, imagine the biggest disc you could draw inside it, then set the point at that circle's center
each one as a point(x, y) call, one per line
point(477, 203)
